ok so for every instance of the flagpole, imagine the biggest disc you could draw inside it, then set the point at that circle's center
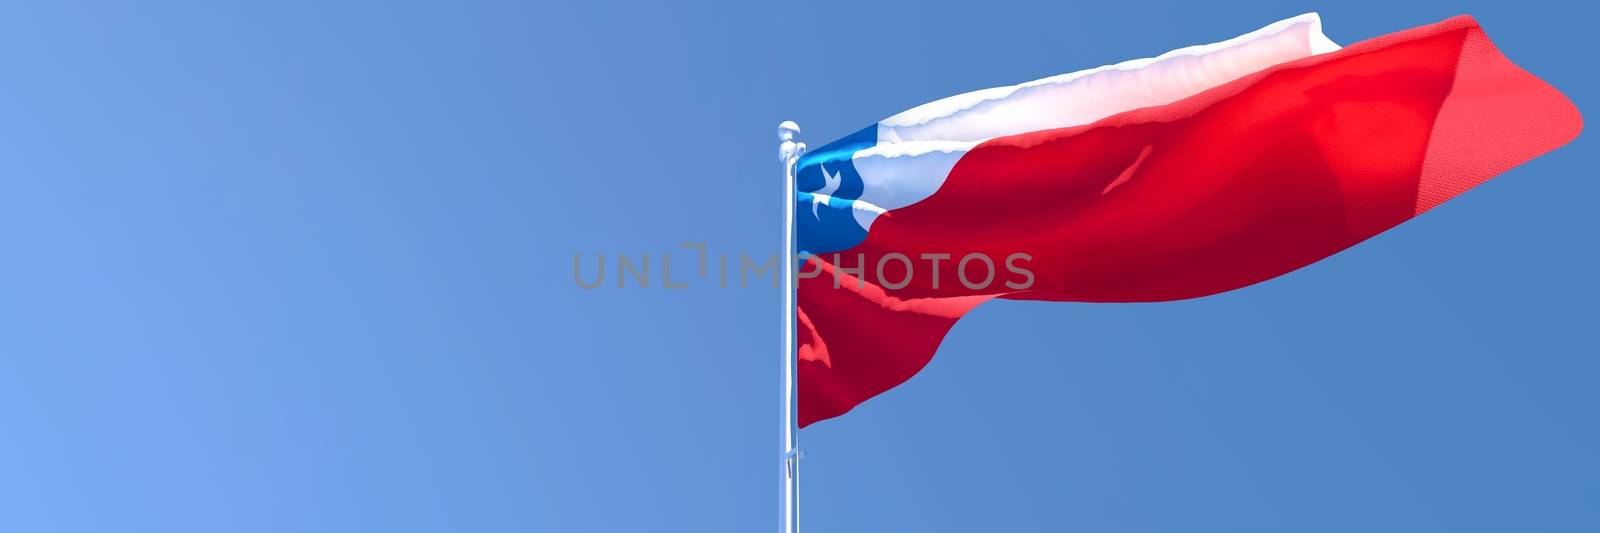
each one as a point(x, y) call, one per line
point(789, 151)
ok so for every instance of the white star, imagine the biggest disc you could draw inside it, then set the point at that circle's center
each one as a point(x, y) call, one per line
point(830, 183)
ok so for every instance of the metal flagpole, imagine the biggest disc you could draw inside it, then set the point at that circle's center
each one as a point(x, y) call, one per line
point(789, 150)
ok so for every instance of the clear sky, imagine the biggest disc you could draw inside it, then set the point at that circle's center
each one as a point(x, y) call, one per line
point(307, 266)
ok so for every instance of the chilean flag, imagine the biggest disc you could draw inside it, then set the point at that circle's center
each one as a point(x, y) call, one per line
point(1199, 171)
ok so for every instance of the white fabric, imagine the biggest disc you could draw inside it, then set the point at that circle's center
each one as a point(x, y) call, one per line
point(917, 148)
point(1088, 95)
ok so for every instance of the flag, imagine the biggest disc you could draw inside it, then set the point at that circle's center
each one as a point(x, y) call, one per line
point(1199, 171)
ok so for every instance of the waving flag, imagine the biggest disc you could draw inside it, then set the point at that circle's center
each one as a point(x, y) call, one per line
point(1200, 171)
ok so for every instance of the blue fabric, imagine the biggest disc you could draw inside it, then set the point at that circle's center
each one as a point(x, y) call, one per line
point(830, 226)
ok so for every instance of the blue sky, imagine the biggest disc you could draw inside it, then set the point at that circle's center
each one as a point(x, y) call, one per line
point(307, 267)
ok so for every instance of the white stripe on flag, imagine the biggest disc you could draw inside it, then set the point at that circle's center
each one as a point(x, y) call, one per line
point(917, 148)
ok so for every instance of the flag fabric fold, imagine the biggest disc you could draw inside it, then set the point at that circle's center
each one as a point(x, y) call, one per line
point(1196, 172)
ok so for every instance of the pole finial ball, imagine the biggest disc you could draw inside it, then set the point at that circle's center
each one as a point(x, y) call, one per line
point(788, 130)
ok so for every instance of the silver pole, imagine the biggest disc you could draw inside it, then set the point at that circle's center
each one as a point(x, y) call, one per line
point(789, 150)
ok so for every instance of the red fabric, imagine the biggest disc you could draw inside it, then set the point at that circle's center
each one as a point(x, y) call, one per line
point(1231, 187)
